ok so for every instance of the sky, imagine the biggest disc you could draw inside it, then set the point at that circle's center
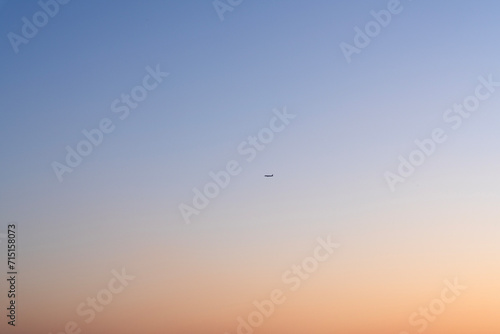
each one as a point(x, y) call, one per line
point(155, 99)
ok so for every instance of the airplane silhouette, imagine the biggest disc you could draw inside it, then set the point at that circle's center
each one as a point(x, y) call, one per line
point(269, 175)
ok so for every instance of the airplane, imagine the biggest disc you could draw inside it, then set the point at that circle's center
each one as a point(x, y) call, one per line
point(268, 175)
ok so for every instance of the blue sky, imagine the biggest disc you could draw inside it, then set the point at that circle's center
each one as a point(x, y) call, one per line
point(225, 79)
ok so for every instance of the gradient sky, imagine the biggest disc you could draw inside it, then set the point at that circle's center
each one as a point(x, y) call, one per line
point(119, 208)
